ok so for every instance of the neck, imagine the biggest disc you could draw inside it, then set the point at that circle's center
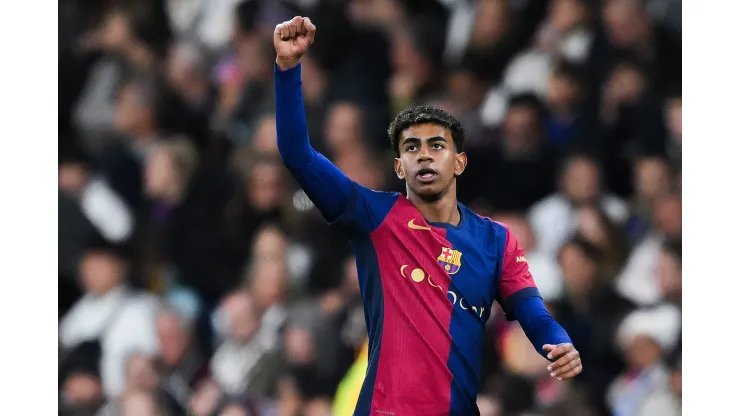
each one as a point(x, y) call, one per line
point(443, 209)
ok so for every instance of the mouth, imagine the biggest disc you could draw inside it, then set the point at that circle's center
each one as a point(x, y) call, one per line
point(426, 175)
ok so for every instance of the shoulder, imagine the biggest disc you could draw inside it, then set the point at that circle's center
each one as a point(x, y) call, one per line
point(366, 209)
point(372, 194)
point(488, 229)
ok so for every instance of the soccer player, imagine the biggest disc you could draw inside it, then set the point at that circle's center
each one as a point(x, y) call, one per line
point(429, 268)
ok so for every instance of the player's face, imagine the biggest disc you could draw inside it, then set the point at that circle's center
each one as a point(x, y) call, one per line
point(428, 160)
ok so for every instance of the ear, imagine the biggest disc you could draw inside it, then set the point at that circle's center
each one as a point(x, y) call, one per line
point(398, 168)
point(461, 161)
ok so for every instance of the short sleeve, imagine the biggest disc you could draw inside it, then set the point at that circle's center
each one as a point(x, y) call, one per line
point(515, 282)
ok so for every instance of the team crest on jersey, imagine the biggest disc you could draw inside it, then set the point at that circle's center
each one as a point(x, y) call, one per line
point(450, 260)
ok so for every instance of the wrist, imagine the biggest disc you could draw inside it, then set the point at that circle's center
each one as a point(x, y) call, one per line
point(285, 64)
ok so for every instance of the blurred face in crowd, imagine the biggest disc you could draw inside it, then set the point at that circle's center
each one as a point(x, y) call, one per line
point(429, 161)
point(591, 226)
point(265, 186)
point(667, 215)
point(264, 139)
point(141, 374)
point(313, 78)
point(520, 228)
point(566, 15)
point(139, 404)
point(642, 352)
point(579, 271)
point(626, 85)
point(234, 410)
point(134, 116)
point(652, 178)
point(269, 282)
point(101, 271)
point(581, 181)
point(521, 133)
point(270, 244)
point(242, 316)
point(83, 391)
point(374, 12)
point(299, 345)
point(674, 118)
point(72, 178)
point(359, 166)
point(185, 70)
point(404, 56)
point(624, 21)
point(563, 93)
point(669, 275)
point(160, 175)
point(173, 338)
point(343, 128)
point(318, 407)
point(116, 31)
point(491, 23)
point(254, 58)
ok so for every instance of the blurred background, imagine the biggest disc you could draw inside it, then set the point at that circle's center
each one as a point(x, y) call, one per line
point(195, 276)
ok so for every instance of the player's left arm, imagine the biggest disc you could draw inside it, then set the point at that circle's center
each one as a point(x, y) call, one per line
point(521, 301)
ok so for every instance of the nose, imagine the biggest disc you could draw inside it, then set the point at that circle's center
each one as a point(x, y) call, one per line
point(424, 154)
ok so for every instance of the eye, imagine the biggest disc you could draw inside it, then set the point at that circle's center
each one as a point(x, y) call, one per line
point(437, 146)
point(411, 148)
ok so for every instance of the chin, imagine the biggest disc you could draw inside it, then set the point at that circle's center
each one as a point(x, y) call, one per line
point(428, 192)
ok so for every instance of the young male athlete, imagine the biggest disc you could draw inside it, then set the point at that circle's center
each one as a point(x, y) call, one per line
point(429, 268)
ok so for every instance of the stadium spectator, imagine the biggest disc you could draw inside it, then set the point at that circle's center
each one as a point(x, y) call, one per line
point(120, 319)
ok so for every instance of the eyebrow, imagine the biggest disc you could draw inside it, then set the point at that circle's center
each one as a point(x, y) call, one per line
point(433, 139)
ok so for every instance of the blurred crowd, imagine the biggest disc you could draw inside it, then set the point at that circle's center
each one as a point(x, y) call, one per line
point(196, 278)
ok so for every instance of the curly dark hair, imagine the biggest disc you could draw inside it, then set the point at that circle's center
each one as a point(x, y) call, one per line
point(425, 114)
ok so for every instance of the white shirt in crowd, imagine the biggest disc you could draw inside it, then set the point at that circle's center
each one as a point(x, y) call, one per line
point(555, 219)
point(107, 211)
point(122, 321)
point(637, 281)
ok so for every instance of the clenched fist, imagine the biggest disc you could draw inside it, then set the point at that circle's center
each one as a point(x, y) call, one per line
point(291, 40)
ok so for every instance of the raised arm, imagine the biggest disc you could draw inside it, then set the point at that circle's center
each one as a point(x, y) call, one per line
point(339, 199)
point(329, 188)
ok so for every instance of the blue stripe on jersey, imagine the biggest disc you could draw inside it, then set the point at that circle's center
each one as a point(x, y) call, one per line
point(500, 234)
point(466, 342)
point(371, 287)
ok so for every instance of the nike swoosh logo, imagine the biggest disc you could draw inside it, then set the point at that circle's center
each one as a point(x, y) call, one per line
point(417, 227)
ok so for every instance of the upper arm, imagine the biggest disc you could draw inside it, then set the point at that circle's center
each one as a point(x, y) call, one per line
point(515, 282)
point(339, 199)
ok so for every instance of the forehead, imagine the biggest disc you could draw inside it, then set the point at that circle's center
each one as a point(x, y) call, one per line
point(425, 131)
point(579, 164)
